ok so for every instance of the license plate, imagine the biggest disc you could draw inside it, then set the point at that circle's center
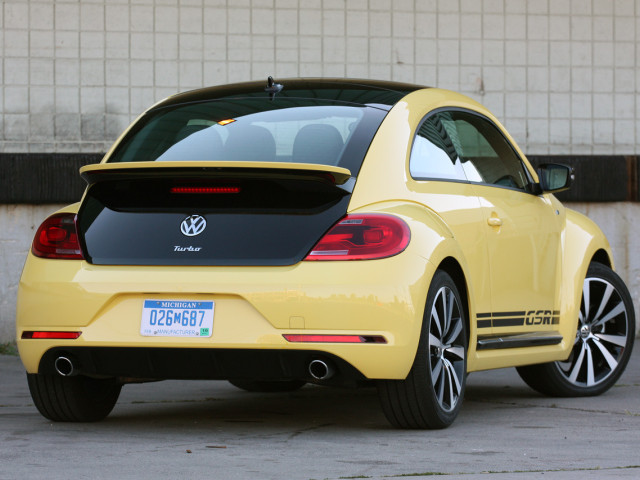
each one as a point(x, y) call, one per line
point(176, 318)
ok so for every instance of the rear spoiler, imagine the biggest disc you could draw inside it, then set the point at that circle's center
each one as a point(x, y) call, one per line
point(211, 169)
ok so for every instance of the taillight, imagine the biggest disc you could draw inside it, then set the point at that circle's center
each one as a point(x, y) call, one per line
point(206, 190)
point(363, 237)
point(51, 335)
point(57, 238)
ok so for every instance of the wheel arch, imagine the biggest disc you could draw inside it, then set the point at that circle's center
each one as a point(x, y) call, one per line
point(601, 256)
point(583, 244)
point(455, 271)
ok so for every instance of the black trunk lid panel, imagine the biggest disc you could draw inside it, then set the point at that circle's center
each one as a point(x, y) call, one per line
point(250, 219)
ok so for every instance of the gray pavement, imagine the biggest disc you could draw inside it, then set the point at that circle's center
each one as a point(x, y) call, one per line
point(211, 429)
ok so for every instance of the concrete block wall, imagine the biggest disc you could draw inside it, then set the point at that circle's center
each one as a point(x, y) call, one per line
point(18, 225)
point(562, 75)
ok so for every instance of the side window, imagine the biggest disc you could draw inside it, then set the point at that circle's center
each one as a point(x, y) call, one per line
point(486, 155)
point(433, 154)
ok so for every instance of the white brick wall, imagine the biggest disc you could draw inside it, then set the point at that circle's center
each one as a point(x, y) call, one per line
point(19, 223)
point(562, 74)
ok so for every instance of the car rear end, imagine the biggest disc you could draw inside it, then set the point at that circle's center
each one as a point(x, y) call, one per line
point(215, 241)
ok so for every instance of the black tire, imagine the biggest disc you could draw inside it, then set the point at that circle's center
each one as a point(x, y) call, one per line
point(432, 394)
point(73, 399)
point(265, 386)
point(603, 343)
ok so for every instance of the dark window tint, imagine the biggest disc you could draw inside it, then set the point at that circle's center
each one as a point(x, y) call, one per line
point(259, 130)
point(486, 155)
point(433, 154)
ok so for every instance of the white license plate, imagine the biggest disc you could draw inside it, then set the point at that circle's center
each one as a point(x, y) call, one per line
point(176, 318)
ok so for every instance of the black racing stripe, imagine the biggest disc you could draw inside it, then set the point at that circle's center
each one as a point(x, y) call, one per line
point(517, 341)
point(508, 322)
point(502, 319)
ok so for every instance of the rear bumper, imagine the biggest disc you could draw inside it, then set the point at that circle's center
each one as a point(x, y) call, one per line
point(131, 364)
point(254, 307)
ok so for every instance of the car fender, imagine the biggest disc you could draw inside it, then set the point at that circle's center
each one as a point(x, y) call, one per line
point(431, 237)
point(432, 241)
point(582, 240)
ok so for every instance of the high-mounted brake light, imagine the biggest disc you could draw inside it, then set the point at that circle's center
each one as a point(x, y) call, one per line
point(363, 237)
point(52, 335)
point(211, 190)
point(57, 237)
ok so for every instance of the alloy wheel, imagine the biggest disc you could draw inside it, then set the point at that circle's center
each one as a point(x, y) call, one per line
point(446, 349)
point(602, 334)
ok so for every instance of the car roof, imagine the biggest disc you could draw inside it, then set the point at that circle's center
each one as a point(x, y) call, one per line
point(380, 93)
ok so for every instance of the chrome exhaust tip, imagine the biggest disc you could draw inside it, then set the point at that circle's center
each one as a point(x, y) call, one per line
point(320, 370)
point(65, 367)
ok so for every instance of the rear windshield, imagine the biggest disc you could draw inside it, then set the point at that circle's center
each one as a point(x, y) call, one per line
point(258, 130)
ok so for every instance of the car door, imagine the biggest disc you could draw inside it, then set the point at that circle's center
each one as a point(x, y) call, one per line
point(439, 182)
point(523, 229)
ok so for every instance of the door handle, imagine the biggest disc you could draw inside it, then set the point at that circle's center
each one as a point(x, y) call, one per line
point(494, 221)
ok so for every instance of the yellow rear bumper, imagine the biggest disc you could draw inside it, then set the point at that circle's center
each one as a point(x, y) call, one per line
point(254, 307)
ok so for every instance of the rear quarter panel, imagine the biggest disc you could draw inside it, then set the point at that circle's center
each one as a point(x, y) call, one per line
point(384, 177)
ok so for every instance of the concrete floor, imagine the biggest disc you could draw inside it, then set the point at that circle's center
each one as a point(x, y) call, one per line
point(197, 429)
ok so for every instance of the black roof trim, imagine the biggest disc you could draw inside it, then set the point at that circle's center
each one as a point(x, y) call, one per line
point(388, 93)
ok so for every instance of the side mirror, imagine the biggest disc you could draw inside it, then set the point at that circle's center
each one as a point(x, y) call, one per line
point(555, 177)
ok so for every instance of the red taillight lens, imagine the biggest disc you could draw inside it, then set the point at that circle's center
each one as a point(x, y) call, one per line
point(57, 238)
point(51, 335)
point(205, 190)
point(363, 237)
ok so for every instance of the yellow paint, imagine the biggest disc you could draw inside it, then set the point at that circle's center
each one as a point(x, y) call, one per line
point(296, 323)
point(472, 224)
point(340, 174)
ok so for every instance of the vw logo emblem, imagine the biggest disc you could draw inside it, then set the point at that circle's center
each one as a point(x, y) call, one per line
point(193, 225)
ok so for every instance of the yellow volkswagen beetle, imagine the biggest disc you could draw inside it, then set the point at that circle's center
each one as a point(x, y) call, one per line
point(337, 232)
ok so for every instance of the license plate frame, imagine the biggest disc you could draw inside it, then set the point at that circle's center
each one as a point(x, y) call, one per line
point(177, 318)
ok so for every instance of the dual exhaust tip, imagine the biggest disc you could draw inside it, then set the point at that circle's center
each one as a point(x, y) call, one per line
point(319, 369)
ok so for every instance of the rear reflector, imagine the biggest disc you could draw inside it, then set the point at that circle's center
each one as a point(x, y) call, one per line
point(363, 237)
point(52, 335)
point(334, 338)
point(205, 190)
point(57, 238)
